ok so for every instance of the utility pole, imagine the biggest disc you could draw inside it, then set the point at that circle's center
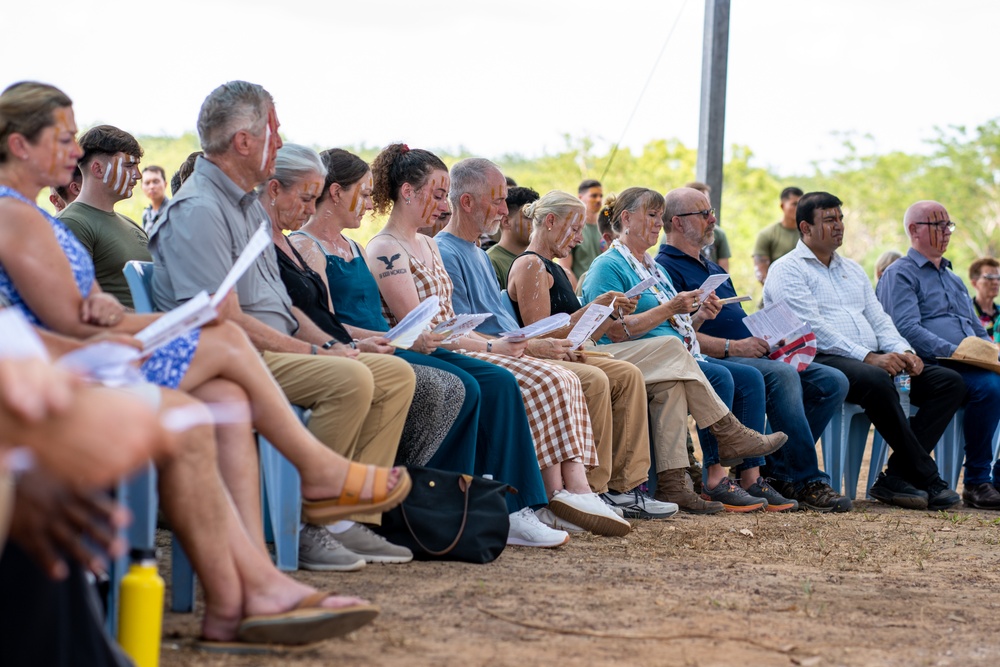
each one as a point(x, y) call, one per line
point(712, 125)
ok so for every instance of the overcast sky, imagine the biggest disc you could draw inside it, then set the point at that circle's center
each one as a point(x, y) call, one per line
point(515, 76)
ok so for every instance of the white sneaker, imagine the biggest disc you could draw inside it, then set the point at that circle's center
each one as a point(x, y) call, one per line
point(588, 511)
point(527, 531)
point(546, 516)
point(318, 550)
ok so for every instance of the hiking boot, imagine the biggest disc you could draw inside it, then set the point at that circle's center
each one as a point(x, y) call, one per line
point(318, 550)
point(940, 497)
point(981, 496)
point(818, 496)
point(733, 497)
point(695, 471)
point(775, 501)
point(737, 442)
point(637, 505)
point(893, 490)
point(675, 486)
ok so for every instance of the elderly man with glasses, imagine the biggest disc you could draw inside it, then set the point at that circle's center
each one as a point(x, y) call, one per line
point(984, 274)
point(856, 336)
point(930, 306)
point(799, 403)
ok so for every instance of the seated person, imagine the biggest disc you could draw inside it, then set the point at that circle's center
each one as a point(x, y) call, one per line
point(615, 390)
point(855, 336)
point(359, 401)
point(798, 403)
point(984, 274)
point(674, 383)
point(412, 186)
point(660, 312)
point(929, 305)
point(515, 232)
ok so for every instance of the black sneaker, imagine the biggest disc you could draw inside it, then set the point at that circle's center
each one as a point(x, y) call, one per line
point(819, 496)
point(893, 490)
point(940, 497)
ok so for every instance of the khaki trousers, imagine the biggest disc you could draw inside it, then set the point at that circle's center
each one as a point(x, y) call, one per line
point(358, 406)
point(616, 399)
point(676, 386)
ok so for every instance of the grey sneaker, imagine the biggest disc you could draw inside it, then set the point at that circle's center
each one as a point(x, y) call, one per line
point(319, 551)
point(775, 501)
point(637, 505)
point(373, 548)
point(733, 497)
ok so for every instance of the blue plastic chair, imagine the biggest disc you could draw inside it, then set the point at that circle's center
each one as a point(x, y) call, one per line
point(848, 426)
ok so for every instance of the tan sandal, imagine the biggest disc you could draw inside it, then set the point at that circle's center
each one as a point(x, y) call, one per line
point(350, 502)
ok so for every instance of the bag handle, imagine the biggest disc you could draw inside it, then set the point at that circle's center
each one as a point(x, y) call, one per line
point(464, 482)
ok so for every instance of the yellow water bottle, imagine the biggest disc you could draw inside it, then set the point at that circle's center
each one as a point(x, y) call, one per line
point(140, 612)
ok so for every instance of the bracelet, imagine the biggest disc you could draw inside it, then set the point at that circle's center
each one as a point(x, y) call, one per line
point(725, 352)
point(489, 346)
point(354, 344)
point(328, 344)
point(628, 334)
point(313, 349)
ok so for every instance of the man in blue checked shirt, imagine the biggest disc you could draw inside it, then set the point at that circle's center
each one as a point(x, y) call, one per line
point(930, 306)
point(856, 336)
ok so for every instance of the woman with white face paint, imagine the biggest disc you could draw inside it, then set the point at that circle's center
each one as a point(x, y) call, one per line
point(674, 383)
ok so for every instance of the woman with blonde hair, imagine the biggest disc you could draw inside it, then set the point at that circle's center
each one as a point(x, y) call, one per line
point(674, 383)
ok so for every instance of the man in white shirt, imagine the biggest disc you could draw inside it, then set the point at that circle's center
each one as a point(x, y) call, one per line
point(855, 336)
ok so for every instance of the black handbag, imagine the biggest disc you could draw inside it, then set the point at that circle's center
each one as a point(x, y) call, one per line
point(450, 516)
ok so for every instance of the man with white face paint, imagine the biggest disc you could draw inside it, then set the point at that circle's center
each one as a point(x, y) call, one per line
point(110, 166)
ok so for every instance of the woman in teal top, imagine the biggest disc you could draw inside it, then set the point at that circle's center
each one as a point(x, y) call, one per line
point(502, 440)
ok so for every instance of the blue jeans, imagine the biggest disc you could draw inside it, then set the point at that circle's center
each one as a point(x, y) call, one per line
point(742, 388)
point(800, 405)
point(982, 414)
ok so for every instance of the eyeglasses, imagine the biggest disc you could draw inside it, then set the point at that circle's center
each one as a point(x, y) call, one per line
point(707, 212)
point(941, 226)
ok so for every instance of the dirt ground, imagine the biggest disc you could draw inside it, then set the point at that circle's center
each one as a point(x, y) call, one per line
point(877, 586)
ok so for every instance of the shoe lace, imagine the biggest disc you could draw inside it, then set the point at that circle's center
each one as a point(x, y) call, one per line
point(323, 537)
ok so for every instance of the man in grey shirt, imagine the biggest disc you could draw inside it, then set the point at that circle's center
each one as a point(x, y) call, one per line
point(359, 401)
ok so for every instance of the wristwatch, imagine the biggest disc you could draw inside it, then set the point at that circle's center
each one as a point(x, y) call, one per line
point(725, 352)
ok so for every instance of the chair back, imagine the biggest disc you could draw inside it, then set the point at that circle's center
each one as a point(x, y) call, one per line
point(139, 276)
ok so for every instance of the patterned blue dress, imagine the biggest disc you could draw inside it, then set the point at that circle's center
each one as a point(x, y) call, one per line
point(165, 367)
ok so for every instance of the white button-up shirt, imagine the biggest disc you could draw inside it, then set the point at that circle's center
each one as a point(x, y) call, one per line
point(837, 301)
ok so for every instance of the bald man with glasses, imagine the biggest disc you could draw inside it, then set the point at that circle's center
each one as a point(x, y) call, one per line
point(930, 307)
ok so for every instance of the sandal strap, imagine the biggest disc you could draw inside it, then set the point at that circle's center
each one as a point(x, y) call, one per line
point(353, 484)
point(380, 485)
point(312, 600)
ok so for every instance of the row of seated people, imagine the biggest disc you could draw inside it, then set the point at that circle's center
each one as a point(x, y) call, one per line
point(307, 325)
point(556, 429)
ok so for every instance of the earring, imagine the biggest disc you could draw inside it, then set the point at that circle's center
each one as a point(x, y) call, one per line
point(407, 200)
point(272, 203)
point(626, 232)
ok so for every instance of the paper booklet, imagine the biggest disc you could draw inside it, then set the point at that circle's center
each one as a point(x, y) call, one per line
point(458, 326)
point(19, 340)
point(710, 285)
point(789, 339)
point(773, 323)
point(406, 332)
point(588, 323)
point(179, 321)
point(641, 287)
point(539, 328)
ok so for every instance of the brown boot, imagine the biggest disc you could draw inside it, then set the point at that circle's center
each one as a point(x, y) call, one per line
point(737, 442)
point(675, 486)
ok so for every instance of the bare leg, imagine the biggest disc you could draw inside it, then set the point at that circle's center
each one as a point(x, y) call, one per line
point(238, 460)
point(575, 477)
point(239, 579)
point(749, 477)
point(225, 352)
point(716, 473)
